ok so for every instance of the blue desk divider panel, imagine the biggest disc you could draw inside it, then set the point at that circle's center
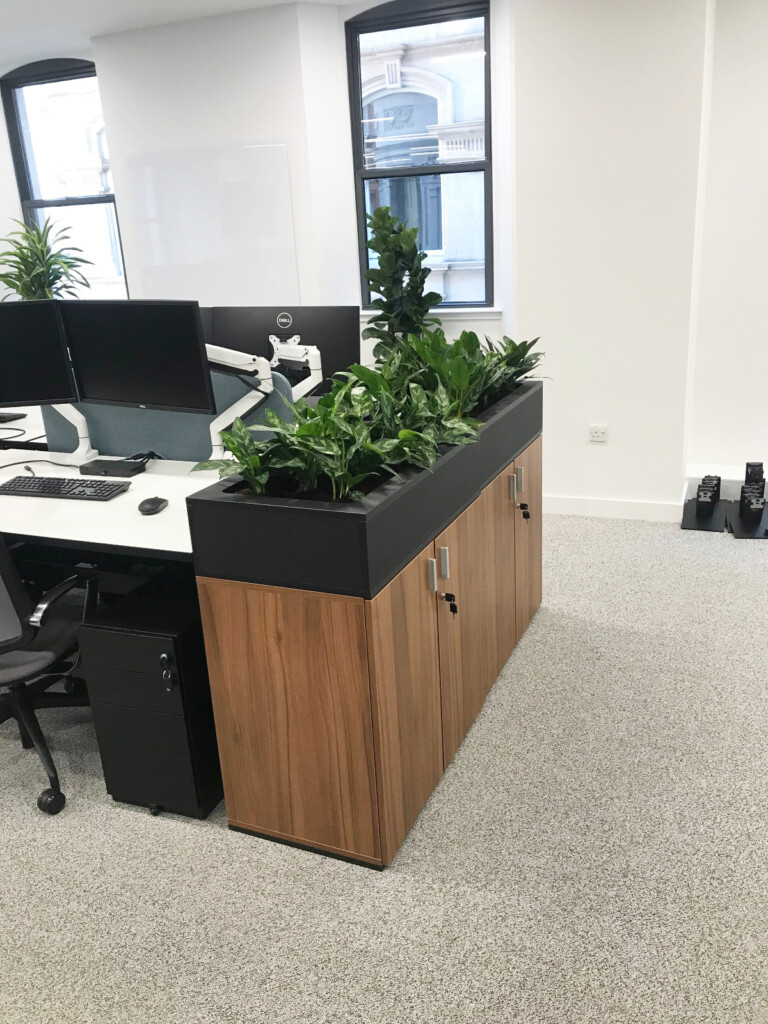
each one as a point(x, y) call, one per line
point(182, 436)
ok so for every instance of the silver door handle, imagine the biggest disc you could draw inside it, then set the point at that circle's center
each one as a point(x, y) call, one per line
point(513, 487)
point(432, 574)
point(445, 564)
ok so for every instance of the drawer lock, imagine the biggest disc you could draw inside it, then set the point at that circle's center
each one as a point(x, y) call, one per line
point(165, 665)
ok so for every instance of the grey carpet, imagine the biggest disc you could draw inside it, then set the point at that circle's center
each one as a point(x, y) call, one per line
point(596, 852)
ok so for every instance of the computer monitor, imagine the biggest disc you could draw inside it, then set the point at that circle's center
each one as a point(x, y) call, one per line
point(335, 330)
point(34, 365)
point(149, 355)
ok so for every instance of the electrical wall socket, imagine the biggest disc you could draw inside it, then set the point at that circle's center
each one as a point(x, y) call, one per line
point(598, 433)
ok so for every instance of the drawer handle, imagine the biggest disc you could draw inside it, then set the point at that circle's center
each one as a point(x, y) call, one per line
point(165, 664)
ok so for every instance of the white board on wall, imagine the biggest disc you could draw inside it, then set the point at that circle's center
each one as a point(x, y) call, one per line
point(213, 224)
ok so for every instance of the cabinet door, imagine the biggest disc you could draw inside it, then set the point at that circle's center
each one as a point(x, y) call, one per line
point(468, 640)
point(405, 689)
point(291, 698)
point(528, 535)
point(502, 495)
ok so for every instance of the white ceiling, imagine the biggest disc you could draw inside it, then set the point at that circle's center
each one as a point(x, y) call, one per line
point(39, 29)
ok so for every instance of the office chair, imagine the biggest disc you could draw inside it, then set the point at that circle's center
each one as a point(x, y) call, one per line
point(38, 647)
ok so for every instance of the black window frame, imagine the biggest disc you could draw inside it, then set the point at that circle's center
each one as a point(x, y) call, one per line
point(59, 69)
point(406, 14)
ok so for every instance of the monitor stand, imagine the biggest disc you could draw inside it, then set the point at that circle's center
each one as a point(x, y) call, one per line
point(239, 409)
point(85, 450)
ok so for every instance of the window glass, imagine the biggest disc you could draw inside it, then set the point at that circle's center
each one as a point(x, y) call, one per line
point(448, 210)
point(423, 93)
point(65, 145)
point(420, 92)
point(93, 229)
point(62, 166)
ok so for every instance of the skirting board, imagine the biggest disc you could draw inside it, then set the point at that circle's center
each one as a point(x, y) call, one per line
point(613, 508)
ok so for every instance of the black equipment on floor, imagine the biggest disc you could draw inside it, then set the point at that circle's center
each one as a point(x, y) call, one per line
point(707, 511)
point(144, 663)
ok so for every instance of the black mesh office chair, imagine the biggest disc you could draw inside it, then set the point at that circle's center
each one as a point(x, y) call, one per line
point(38, 647)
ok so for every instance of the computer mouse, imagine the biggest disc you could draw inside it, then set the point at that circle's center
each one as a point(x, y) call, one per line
point(151, 506)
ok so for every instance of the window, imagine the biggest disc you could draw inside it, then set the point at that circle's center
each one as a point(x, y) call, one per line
point(420, 100)
point(61, 159)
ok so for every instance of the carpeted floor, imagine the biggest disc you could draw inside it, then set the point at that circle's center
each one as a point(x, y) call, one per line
point(596, 853)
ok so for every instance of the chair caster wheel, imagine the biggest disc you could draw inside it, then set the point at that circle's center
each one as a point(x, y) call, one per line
point(75, 687)
point(155, 809)
point(50, 801)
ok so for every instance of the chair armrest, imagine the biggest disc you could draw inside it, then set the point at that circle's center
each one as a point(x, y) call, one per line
point(38, 616)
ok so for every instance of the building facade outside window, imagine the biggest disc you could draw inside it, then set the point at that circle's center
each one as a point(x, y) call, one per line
point(420, 100)
point(61, 158)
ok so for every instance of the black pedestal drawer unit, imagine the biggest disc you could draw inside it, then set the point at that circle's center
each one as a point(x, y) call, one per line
point(144, 663)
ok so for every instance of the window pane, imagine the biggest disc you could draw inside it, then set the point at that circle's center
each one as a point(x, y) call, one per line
point(449, 211)
point(93, 229)
point(423, 94)
point(65, 145)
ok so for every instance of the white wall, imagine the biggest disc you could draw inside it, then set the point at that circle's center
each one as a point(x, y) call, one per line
point(597, 120)
point(199, 95)
point(330, 181)
point(608, 115)
point(729, 422)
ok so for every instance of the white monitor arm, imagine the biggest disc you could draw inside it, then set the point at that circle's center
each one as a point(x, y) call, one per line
point(237, 364)
point(84, 452)
point(292, 356)
point(289, 356)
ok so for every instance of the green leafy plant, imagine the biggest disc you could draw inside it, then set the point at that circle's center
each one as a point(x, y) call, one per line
point(399, 281)
point(470, 375)
point(39, 265)
point(327, 449)
point(410, 407)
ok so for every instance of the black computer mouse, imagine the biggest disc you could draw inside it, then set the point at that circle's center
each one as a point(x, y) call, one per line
point(151, 506)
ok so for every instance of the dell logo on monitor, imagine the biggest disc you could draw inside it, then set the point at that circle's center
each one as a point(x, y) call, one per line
point(284, 320)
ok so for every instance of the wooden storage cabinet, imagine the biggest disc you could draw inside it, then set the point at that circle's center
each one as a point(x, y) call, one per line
point(336, 716)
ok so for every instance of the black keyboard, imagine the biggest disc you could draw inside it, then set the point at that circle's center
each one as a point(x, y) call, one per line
point(64, 487)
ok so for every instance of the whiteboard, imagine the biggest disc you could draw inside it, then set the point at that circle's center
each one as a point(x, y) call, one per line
point(213, 224)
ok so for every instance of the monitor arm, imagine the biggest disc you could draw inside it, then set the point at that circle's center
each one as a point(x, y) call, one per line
point(252, 370)
point(300, 362)
point(84, 451)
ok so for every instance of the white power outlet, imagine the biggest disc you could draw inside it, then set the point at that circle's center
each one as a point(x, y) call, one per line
point(598, 433)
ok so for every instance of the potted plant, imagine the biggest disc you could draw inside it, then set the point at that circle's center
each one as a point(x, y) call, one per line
point(349, 491)
point(38, 265)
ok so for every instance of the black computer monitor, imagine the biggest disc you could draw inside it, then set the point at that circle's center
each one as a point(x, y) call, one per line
point(34, 365)
point(134, 353)
point(335, 330)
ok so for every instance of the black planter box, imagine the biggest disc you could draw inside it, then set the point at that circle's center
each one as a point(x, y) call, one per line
point(358, 547)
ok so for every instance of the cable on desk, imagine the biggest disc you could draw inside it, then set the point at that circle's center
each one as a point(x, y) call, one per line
point(144, 457)
point(30, 462)
point(17, 432)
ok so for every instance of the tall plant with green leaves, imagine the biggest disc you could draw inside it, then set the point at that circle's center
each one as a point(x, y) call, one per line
point(399, 281)
point(39, 265)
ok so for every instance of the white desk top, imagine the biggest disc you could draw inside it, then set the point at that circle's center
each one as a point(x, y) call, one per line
point(114, 523)
point(32, 425)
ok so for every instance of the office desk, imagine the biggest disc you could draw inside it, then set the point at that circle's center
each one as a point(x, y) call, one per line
point(32, 425)
point(114, 526)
